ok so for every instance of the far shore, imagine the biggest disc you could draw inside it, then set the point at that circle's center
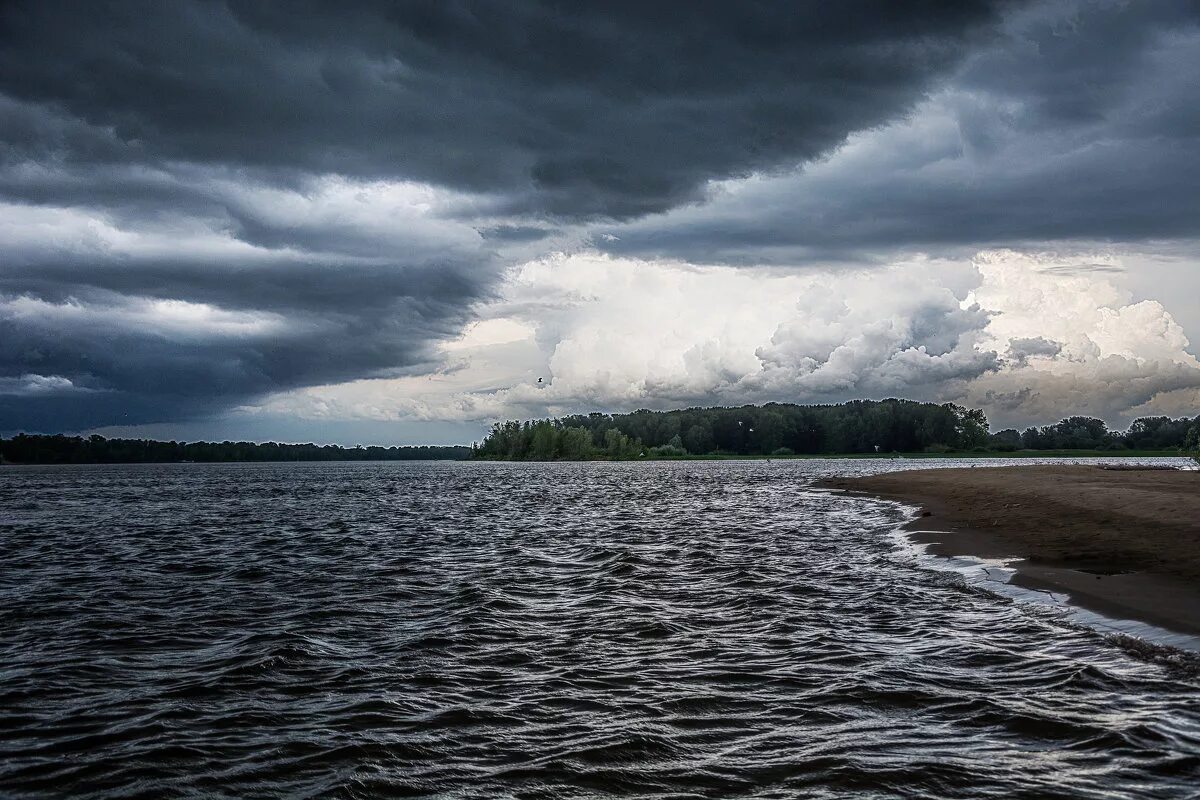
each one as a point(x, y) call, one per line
point(949, 454)
point(1001, 454)
point(1123, 542)
point(353, 456)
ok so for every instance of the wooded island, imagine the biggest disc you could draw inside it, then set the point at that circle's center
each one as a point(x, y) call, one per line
point(782, 429)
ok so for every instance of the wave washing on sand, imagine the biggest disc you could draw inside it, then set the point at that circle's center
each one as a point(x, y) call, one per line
point(996, 574)
point(1119, 539)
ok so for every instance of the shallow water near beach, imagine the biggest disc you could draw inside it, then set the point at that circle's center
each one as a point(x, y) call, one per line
point(671, 629)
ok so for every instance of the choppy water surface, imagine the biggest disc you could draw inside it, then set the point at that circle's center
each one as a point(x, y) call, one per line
point(563, 630)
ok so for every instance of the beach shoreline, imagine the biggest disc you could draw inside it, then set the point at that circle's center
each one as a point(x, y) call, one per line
point(1123, 543)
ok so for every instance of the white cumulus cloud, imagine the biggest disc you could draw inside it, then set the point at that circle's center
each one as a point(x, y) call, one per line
point(1027, 337)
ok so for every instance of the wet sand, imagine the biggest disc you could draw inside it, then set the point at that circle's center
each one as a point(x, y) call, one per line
point(1121, 542)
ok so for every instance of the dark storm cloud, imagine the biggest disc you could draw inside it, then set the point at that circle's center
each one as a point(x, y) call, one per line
point(288, 325)
point(1079, 122)
point(149, 307)
point(613, 109)
point(227, 158)
point(515, 233)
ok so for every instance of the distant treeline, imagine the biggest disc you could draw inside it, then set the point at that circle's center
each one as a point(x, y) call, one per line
point(25, 449)
point(779, 429)
point(1087, 433)
point(861, 426)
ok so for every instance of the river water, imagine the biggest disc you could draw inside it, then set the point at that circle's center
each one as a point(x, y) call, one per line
point(686, 629)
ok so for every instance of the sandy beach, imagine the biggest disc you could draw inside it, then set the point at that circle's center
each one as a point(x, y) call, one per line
point(1121, 542)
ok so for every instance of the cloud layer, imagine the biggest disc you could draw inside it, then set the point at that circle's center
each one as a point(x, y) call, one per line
point(1023, 343)
point(175, 316)
point(1077, 122)
point(616, 109)
point(411, 211)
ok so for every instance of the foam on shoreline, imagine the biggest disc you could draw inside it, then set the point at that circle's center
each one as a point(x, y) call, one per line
point(1119, 546)
point(1003, 577)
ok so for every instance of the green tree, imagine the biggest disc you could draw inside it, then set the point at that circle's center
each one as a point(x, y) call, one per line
point(698, 440)
point(576, 444)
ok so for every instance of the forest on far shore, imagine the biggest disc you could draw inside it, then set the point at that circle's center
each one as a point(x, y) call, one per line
point(775, 429)
point(783, 429)
point(34, 449)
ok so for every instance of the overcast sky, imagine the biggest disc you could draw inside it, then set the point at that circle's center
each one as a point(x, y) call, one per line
point(385, 222)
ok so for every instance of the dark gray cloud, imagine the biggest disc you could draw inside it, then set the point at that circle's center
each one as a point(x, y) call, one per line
point(156, 358)
point(515, 233)
point(1021, 348)
point(613, 109)
point(126, 316)
point(1078, 122)
point(207, 202)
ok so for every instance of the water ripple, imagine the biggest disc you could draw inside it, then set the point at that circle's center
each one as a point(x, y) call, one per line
point(571, 630)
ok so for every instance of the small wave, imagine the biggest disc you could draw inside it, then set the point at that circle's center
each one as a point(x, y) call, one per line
point(669, 630)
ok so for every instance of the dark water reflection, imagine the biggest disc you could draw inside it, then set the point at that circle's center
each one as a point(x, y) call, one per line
point(571, 630)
